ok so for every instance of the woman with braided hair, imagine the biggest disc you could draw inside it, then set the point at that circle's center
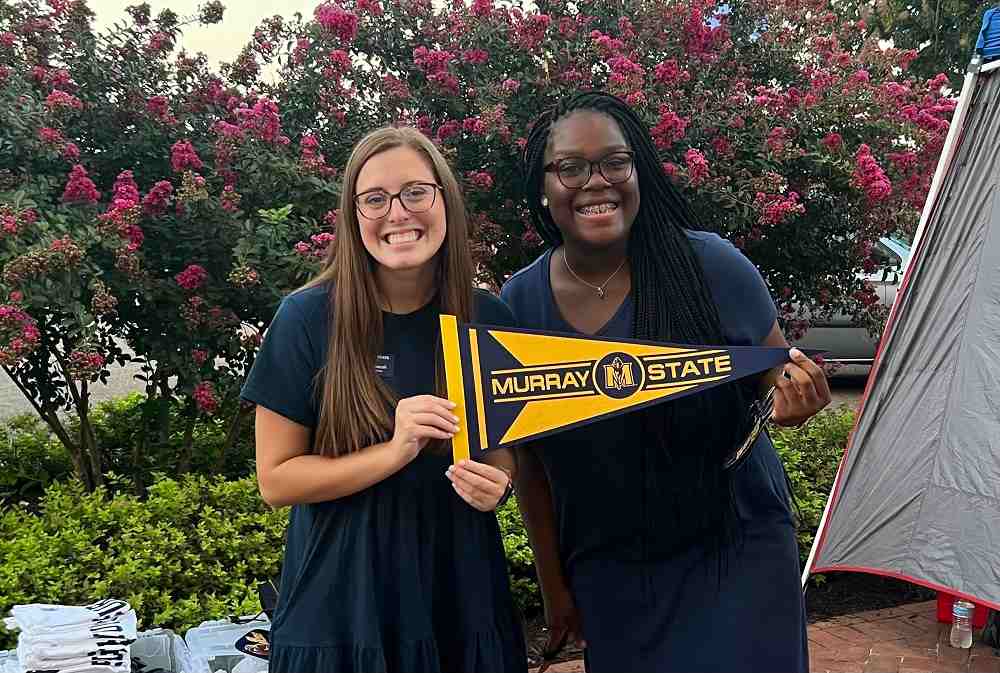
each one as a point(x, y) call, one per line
point(650, 553)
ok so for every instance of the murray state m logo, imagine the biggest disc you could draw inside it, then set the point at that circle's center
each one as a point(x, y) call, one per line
point(618, 375)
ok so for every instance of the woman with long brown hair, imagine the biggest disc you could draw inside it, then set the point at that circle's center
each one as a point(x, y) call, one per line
point(393, 560)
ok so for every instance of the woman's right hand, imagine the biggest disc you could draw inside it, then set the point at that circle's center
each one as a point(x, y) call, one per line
point(420, 419)
point(563, 620)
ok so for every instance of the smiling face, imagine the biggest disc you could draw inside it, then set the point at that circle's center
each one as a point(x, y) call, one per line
point(599, 214)
point(400, 240)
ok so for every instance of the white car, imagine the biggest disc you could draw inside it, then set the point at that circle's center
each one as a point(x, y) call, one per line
point(845, 342)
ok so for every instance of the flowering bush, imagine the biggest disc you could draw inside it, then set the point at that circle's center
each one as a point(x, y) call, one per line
point(131, 185)
point(802, 143)
point(153, 209)
point(18, 335)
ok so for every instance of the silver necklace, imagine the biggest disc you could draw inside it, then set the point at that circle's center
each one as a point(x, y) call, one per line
point(599, 289)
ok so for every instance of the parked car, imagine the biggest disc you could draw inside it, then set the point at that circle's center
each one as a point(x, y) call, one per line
point(846, 343)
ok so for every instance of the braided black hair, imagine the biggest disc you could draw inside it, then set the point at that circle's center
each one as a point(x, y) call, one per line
point(672, 303)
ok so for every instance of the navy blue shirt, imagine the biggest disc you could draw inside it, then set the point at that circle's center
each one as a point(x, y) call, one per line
point(596, 472)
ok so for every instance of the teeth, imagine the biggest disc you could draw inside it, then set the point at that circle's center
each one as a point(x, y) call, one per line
point(598, 209)
point(403, 237)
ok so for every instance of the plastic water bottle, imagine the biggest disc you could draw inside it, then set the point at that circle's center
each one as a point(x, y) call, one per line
point(961, 624)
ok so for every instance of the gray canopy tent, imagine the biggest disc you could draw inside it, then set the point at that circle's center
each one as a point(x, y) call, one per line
point(917, 494)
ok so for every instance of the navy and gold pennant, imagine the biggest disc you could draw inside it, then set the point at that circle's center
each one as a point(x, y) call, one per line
point(514, 385)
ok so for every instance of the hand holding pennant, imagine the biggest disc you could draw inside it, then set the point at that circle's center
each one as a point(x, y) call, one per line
point(514, 385)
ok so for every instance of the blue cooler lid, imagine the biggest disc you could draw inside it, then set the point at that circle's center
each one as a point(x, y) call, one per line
point(989, 36)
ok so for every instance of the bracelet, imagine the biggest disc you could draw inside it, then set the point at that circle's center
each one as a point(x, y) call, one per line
point(509, 491)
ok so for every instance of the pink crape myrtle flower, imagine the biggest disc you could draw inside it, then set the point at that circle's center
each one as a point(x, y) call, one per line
point(191, 278)
point(80, 188)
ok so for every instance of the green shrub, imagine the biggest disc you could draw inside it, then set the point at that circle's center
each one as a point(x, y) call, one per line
point(811, 455)
point(195, 549)
point(520, 559)
point(31, 457)
point(119, 429)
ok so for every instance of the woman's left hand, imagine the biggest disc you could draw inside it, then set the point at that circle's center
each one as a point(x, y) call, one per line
point(478, 484)
point(801, 390)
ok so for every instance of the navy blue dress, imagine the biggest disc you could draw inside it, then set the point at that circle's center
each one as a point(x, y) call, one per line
point(402, 576)
point(670, 608)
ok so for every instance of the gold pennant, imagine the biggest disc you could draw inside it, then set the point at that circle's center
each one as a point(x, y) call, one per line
point(514, 385)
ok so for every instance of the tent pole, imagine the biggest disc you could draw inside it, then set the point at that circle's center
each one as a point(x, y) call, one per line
point(944, 163)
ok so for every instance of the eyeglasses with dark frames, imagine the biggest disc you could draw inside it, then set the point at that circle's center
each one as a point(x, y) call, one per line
point(416, 197)
point(575, 172)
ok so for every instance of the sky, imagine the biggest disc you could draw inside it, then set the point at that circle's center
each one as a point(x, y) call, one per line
point(221, 42)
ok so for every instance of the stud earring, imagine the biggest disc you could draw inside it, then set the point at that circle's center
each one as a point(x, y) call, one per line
point(545, 202)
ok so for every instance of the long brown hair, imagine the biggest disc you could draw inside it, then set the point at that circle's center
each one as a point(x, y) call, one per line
point(356, 404)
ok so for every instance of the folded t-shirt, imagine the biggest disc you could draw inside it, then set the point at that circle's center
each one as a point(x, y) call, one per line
point(42, 616)
point(110, 633)
point(69, 656)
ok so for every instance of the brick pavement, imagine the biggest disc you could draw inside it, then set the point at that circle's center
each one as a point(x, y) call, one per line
point(906, 639)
